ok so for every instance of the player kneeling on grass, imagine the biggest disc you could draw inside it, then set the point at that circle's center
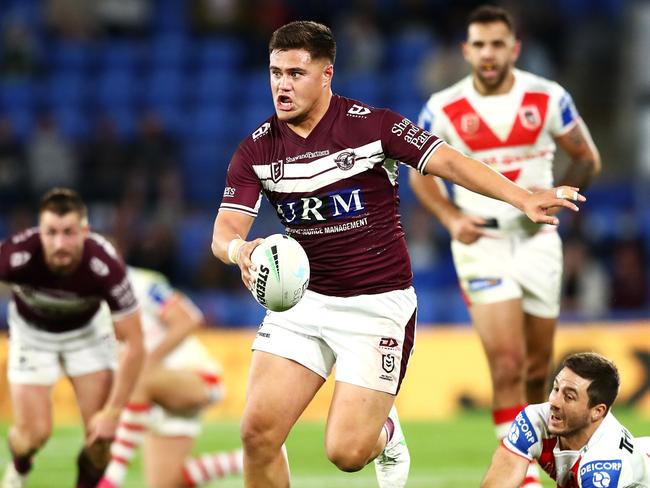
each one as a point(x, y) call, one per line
point(574, 436)
point(179, 379)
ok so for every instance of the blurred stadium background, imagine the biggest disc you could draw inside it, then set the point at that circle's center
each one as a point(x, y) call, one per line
point(139, 105)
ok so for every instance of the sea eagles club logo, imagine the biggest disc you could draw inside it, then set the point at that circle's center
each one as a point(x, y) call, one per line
point(345, 160)
point(277, 170)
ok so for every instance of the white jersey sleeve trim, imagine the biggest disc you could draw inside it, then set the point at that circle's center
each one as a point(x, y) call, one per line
point(234, 207)
point(425, 157)
point(565, 130)
point(125, 313)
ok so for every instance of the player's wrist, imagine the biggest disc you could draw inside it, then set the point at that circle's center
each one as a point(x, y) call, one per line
point(234, 247)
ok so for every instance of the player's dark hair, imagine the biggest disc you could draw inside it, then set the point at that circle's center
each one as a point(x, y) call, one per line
point(315, 38)
point(601, 371)
point(62, 201)
point(486, 14)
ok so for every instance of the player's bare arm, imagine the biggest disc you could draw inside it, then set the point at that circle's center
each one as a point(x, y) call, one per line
point(229, 242)
point(478, 177)
point(585, 159)
point(432, 195)
point(128, 331)
point(182, 319)
point(507, 470)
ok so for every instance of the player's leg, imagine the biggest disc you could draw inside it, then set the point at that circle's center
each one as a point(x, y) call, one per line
point(181, 391)
point(373, 337)
point(279, 389)
point(31, 373)
point(540, 333)
point(32, 426)
point(163, 460)
point(355, 435)
point(91, 391)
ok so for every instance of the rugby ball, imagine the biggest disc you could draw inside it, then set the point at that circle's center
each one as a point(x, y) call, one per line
point(282, 273)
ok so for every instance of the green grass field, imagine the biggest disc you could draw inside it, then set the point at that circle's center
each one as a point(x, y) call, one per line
point(444, 455)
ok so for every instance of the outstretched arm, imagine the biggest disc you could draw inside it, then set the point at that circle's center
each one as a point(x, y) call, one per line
point(507, 470)
point(585, 159)
point(476, 176)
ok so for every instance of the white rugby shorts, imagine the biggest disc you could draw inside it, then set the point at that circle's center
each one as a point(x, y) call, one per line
point(505, 266)
point(369, 337)
point(37, 357)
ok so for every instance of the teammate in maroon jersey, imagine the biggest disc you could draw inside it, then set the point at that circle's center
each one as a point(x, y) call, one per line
point(61, 277)
point(510, 271)
point(328, 165)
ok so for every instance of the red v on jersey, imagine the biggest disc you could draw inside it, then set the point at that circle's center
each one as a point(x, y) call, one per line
point(478, 136)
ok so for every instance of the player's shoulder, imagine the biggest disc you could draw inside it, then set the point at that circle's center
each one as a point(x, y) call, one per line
point(536, 83)
point(353, 109)
point(440, 99)
point(18, 250)
point(101, 257)
point(260, 138)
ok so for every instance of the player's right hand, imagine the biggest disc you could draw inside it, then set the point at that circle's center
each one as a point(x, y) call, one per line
point(467, 228)
point(540, 205)
point(103, 425)
point(245, 264)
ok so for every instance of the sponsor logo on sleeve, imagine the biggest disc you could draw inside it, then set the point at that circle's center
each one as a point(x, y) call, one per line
point(568, 109)
point(358, 111)
point(229, 192)
point(99, 267)
point(601, 474)
point(411, 133)
point(19, 258)
point(522, 434)
point(159, 293)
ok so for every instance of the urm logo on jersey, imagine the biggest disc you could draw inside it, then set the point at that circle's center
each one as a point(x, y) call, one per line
point(341, 204)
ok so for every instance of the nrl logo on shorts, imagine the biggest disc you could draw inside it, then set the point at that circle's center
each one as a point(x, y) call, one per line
point(277, 170)
point(529, 117)
point(345, 160)
point(388, 362)
point(469, 123)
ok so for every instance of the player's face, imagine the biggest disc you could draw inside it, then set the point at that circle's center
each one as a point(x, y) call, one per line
point(300, 84)
point(62, 237)
point(569, 400)
point(491, 49)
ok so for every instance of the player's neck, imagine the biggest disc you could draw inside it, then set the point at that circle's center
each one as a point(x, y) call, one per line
point(304, 126)
point(578, 440)
point(501, 89)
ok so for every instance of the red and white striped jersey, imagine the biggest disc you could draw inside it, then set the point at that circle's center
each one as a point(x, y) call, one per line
point(612, 458)
point(513, 133)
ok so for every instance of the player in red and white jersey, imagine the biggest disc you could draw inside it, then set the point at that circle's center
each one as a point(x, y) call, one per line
point(328, 165)
point(178, 381)
point(509, 268)
point(62, 277)
point(574, 436)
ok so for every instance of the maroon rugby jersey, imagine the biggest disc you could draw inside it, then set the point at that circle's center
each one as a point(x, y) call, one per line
point(336, 192)
point(62, 303)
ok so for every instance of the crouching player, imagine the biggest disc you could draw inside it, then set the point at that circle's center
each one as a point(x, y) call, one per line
point(574, 436)
point(179, 380)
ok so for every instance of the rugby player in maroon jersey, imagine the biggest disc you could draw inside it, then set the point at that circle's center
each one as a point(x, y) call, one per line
point(328, 165)
point(62, 276)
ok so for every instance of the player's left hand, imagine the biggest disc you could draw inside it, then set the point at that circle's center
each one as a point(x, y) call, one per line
point(103, 425)
point(540, 206)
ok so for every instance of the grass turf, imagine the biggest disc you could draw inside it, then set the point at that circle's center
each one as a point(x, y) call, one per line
point(444, 454)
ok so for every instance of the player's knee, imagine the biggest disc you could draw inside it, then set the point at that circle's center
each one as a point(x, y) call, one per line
point(507, 368)
point(31, 436)
point(349, 459)
point(259, 438)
